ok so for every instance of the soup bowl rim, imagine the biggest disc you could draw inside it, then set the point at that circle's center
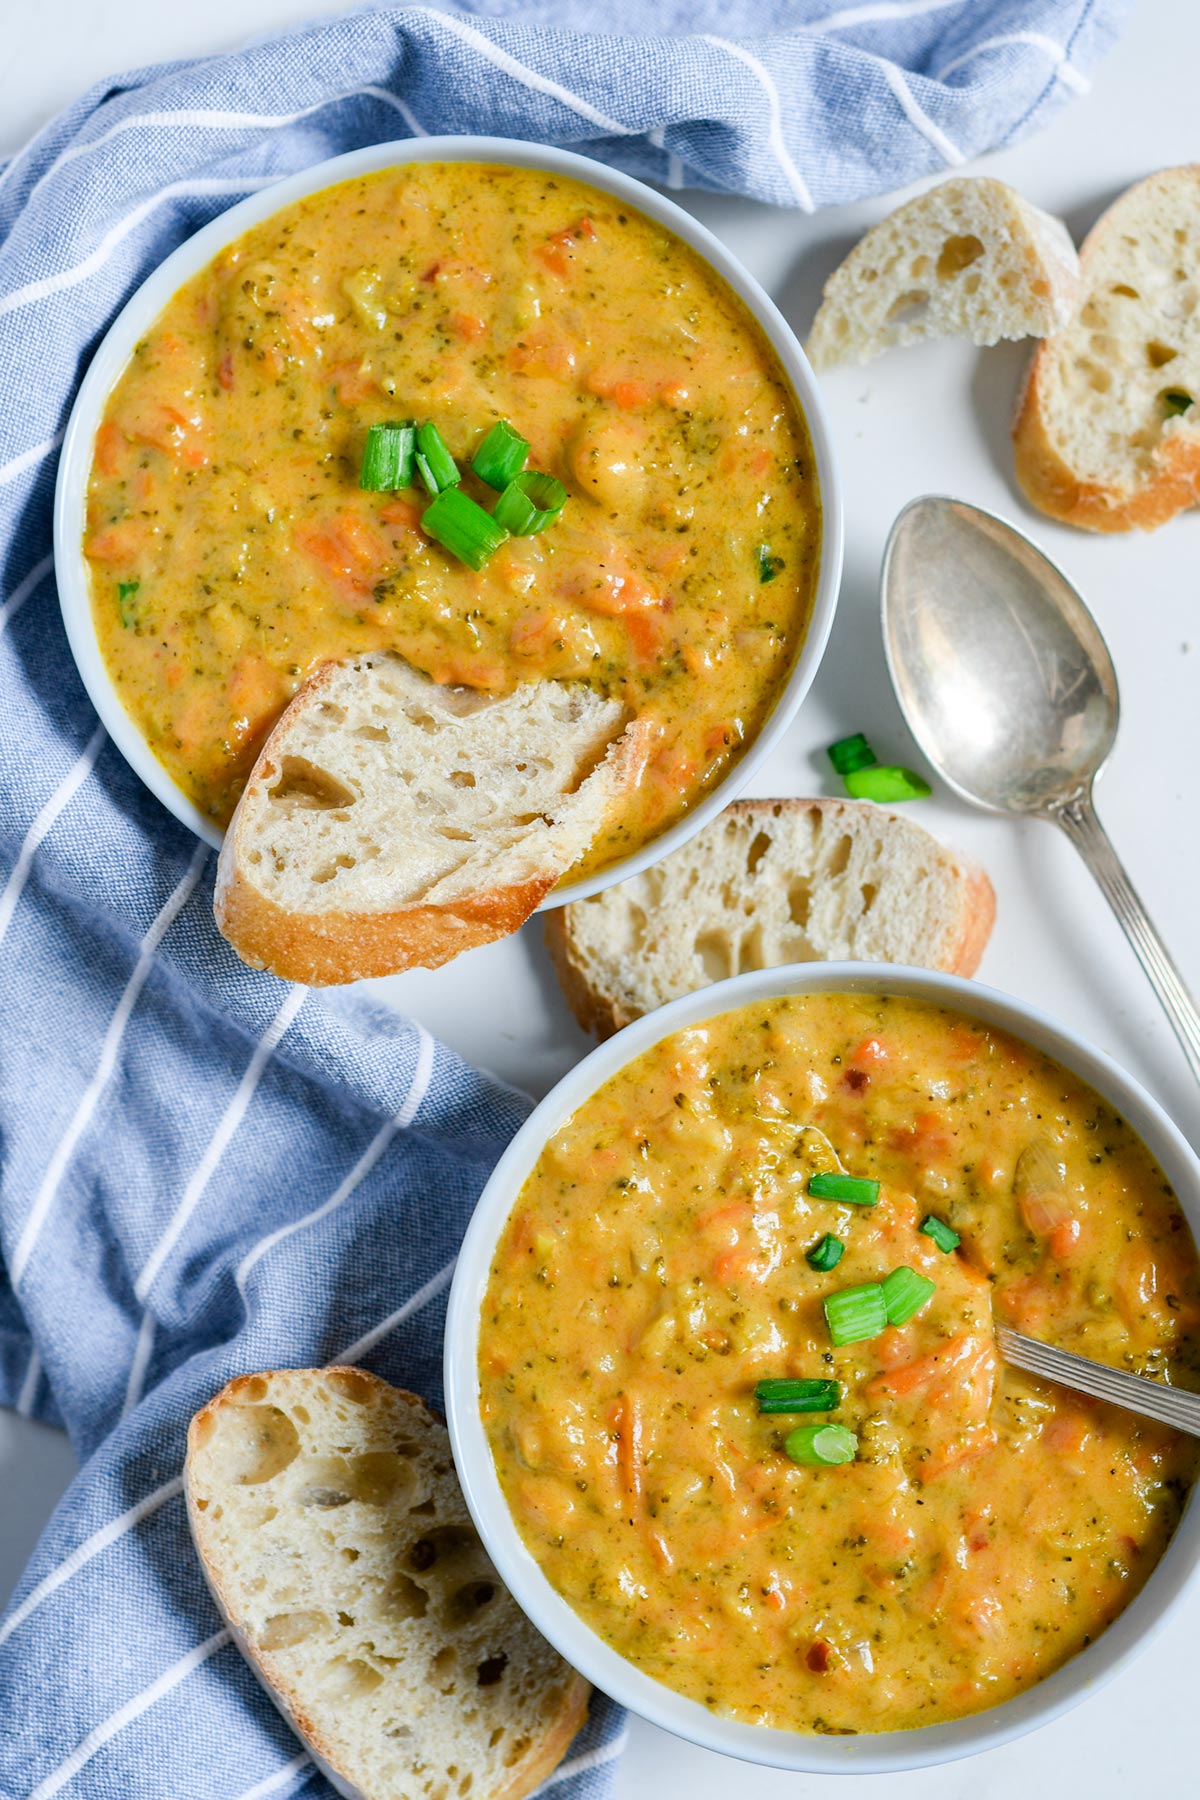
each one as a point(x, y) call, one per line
point(153, 294)
point(1115, 1648)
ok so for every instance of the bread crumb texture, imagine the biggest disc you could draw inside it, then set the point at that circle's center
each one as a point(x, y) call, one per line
point(391, 822)
point(1108, 432)
point(330, 1524)
point(386, 789)
point(970, 258)
point(771, 882)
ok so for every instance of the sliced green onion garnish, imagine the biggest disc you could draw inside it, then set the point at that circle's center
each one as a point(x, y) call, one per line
point(1176, 401)
point(827, 1253)
point(387, 462)
point(905, 1293)
point(501, 456)
point(530, 503)
point(126, 591)
point(796, 1396)
point(821, 1446)
point(885, 783)
point(855, 1313)
point(768, 564)
point(943, 1235)
point(851, 1189)
point(465, 529)
point(438, 468)
point(850, 753)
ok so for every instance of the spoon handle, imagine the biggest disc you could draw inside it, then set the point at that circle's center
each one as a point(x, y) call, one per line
point(1137, 1393)
point(1078, 819)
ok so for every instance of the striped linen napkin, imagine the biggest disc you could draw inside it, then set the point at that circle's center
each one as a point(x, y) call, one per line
point(206, 1171)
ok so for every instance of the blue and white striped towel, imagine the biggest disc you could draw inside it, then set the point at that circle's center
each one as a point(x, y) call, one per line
point(205, 1171)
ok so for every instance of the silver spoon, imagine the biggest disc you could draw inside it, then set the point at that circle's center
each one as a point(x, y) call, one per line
point(1008, 687)
point(1137, 1393)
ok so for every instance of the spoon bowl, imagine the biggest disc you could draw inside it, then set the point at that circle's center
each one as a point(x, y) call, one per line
point(1000, 670)
point(1008, 687)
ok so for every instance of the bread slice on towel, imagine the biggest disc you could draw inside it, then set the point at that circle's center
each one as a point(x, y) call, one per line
point(1108, 429)
point(771, 882)
point(391, 823)
point(331, 1529)
point(970, 258)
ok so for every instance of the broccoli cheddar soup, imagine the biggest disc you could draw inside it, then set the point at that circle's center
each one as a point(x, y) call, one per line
point(738, 1372)
point(232, 551)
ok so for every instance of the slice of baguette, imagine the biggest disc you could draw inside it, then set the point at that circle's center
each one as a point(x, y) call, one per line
point(771, 882)
point(970, 258)
point(335, 1539)
point(1097, 442)
point(392, 823)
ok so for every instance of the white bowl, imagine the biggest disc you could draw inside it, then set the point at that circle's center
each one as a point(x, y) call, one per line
point(870, 1754)
point(139, 313)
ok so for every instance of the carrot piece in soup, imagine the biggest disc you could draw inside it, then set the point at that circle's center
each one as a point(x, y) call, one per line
point(553, 257)
point(646, 632)
point(624, 390)
point(352, 383)
point(116, 543)
point(626, 1421)
point(111, 445)
point(539, 353)
point(660, 1550)
point(1026, 1302)
point(166, 427)
point(348, 549)
point(400, 512)
point(975, 1441)
point(958, 1356)
point(257, 694)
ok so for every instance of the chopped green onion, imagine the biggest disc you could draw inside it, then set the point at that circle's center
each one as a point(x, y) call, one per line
point(387, 462)
point(855, 1313)
point(886, 784)
point(827, 1253)
point(850, 753)
point(821, 1446)
point(125, 593)
point(465, 529)
point(851, 1189)
point(796, 1396)
point(943, 1235)
point(501, 456)
point(768, 565)
point(438, 468)
point(1176, 401)
point(905, 1293)
point(530, 503)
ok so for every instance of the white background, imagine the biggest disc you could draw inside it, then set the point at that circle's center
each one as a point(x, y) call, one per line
point(930, 419)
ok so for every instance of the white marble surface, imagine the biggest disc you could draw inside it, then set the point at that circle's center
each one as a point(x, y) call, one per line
point(933, 419)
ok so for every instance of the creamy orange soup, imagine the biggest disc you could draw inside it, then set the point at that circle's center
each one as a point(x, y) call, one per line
point(654, 1270)
point(231, 551)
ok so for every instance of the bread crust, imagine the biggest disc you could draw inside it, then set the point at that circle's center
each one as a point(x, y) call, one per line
point(594, 1011)
point(606, 1013)
point(543, 1758)
point(327, 949)
point(979, 916)
point(1053, 487)
point(1047, 479)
